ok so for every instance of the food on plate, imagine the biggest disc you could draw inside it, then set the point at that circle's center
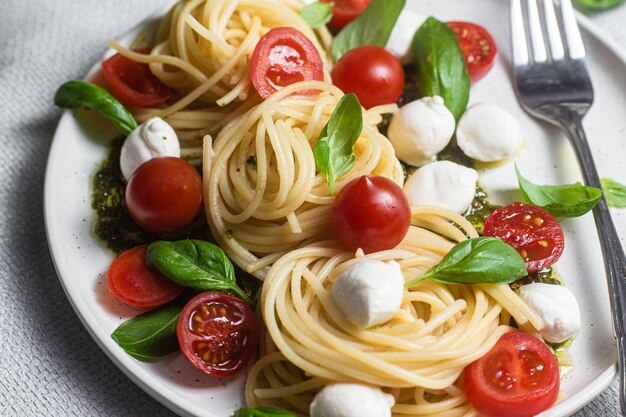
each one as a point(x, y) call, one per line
point(371, 72)
point(374, 299)
point(371, 213)
point(534, 232)
point(557, 307)
point(133, 283)
point(217, 333)
point(488, 133)
point(369, 293)
point(421, 129)
point(152, 138)
point(479, 48)
point(346, 400)
point(442, 183)
point(164, 195)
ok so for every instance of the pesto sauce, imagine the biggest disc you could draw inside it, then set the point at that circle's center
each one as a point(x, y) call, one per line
point(113, 225)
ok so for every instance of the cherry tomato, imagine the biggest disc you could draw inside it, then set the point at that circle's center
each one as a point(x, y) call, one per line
point(345, 11)
point(282, 57)
point(371, 213)
point(132, 83)
point(374, 74)
point(518, 377)
point(130, 280)
point(217, 333)
point(164, 195)
point(478, 47)
point(531, 230)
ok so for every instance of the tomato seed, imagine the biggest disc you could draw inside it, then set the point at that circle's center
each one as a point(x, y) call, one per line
point(538, 221)
point(543, 243)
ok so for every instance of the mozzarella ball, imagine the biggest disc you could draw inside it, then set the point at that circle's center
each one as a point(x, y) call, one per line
point(154, 137)
point(369, 292)
point(351, 400)
point(443, 183)
point(421, 129)
point(401, 37)
point(557, 307)
point(488, 133)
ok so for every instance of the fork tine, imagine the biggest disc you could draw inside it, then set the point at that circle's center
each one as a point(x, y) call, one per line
point(519, 45)
point(574, 41)
point(536, 33)
point(554, 35)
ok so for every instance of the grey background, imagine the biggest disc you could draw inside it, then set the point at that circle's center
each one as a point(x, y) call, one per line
point(48, 363)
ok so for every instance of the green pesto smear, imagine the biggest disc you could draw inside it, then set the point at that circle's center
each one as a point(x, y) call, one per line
point(114, 226)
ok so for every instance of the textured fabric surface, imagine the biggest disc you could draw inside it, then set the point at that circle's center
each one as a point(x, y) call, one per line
point(48, 363)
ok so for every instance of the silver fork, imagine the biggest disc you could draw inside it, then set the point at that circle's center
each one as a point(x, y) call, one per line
point(552, 84)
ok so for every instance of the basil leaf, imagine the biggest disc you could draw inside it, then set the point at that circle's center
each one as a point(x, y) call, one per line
point(196, 264)
point(334, 149)
point(614, 192)
point(372, 27)
point(150, 335)
point(477, 261)
point(441, 69)
point(317, 14)
point(561, 201)
point(75, 94)
point(262, 412)
point(598, 4)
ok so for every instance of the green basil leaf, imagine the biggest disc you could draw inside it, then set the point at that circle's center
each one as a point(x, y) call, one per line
point(441, 68)
point(476, 261)
point(561, 201)
point(150, 335)
point(372, 27)
point(334, 149)
point(75, 94)
point(614, 192)
point(196, 264)
point(262, 412)
point(598, 4)
point(317, 14)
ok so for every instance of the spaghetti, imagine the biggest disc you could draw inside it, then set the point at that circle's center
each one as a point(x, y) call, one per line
point(263, 196)
point(417, 356)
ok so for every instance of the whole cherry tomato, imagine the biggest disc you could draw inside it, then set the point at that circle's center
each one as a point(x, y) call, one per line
point(374, 74)
point(164, 195)
point(371, 213)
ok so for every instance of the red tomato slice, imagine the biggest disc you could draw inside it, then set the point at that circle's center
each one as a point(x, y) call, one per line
point(217, 333)
point(371, 72)
point(132, 83)
point(282, 57)
point(478, 47)
point(164, 195)
point(345, 11)
point(518, 377)
point(130, 280)
point(371, 213)
point(534, 232)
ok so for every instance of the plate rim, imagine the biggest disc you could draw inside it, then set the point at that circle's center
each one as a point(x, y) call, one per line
point(157, 390)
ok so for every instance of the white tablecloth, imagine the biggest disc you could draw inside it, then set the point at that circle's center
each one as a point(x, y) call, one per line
point(49, 364)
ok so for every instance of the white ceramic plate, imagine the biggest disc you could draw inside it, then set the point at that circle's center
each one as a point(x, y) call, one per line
point(81, 261)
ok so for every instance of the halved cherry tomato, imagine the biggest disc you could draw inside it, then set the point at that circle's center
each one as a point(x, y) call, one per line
point(534, 232)
point(130, 280)
point(345, 11)
point(371, 72)
point(478, 47)
point(518, 377)
point(164, 195)
point(132, 83)
point(217, 333)
point(371, 213)
point(282, 57)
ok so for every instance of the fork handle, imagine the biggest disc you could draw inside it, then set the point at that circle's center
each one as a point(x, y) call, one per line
point(614, 259)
